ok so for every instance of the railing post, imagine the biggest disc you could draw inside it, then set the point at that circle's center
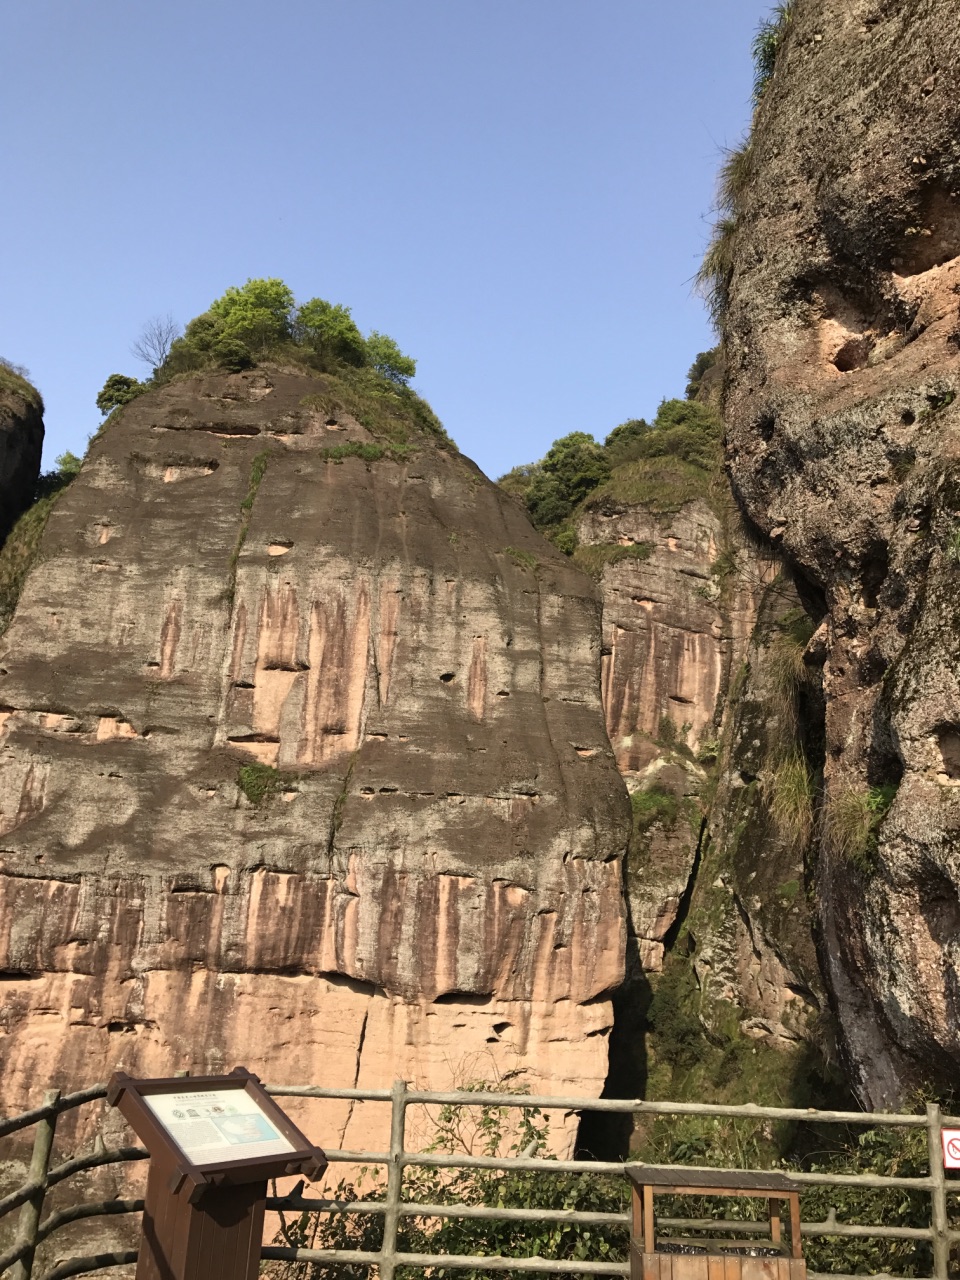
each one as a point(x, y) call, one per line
point(29, 1218)
point(391, 1216)
point(938, 1195)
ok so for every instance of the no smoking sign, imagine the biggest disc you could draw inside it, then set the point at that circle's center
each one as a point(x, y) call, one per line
point(951, 1148)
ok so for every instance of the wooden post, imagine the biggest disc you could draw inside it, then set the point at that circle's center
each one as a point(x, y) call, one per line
point(938, 1195)
point(796, 1245)
point(391, 1217)
point(219, 1238)
point(39, 1167)
point(649, 1240)
point(775, 1233)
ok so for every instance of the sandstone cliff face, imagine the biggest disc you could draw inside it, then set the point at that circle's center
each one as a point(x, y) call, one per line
point(687, 626)
point(843, 351)
point(431, 885)
point(21, 441)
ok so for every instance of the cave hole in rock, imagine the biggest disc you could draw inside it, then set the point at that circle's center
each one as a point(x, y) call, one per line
point(766, 425)
point(908, 417)
point(854, 353)
point(474, 998)
point(447, 677)
point(948, 740)
point(873, 572)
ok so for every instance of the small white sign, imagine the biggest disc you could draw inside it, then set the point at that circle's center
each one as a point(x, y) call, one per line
point(951, 1148)
point(217, 1126)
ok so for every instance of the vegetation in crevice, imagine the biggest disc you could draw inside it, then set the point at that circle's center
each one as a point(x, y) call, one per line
point(594, 557)
point(524, 559)
point(259, 782)
point(766, 46)
point(21, 549)
point(851, 823)
point(258, 469)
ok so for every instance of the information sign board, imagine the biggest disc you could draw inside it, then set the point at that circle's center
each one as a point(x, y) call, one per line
point(218, 1126)
point(951, 1148)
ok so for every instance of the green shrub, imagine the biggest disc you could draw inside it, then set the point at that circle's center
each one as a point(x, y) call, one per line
point(353, 449)
point(852, 820)
point(259, 782)
point(525, 559)
point(654, 807)
point(595, 557)
point(952, 546)
point(471, 1131)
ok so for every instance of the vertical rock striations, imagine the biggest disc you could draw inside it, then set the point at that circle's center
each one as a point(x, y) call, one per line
point(842, 342)
point(303, 761)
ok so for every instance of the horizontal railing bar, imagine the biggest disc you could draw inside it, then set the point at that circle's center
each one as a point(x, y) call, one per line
point(747, 1110)
point(412, 1209)
point(425, 1159)
point(66, 1103)
point(96, 1209)
point(93, 1161)
point(16, 1198)
point(450, 1261)
point(15, 1254)
point(93, 1262)
point(317, 1091)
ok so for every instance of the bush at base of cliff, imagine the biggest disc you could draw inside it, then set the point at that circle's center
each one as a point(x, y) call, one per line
point(481, 1131)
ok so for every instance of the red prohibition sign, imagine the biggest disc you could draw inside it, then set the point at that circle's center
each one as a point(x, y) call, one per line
point(951, 1148)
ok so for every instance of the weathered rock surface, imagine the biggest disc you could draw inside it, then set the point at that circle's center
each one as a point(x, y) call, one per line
point(843, 355)
point(21, 442)
point(431, 887)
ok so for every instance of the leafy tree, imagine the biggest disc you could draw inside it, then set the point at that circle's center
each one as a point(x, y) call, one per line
point(620, 441)
point(68, 464)
point(257, 314)
point(118, 390)
point(705, 360)
point(573, 466)
point(387, 358)
point(330, 329)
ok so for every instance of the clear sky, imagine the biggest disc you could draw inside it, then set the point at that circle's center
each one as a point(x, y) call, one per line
point(518, 191)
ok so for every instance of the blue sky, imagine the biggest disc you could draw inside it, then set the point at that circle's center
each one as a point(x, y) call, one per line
point(518, 191)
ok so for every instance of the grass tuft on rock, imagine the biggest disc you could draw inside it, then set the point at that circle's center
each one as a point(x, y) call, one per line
point(259, 782)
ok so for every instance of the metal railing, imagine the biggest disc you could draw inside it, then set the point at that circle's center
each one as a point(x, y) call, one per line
point(32, 1228)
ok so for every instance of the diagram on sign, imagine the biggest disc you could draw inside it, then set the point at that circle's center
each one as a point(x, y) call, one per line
point(218, 1125)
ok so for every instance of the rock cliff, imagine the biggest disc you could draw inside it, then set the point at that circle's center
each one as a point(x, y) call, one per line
point(21, 440)
point(842, 342)
point(303, 761)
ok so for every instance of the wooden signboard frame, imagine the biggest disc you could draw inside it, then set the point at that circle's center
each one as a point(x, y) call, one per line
point(204, 1220)
point(647, 1262)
